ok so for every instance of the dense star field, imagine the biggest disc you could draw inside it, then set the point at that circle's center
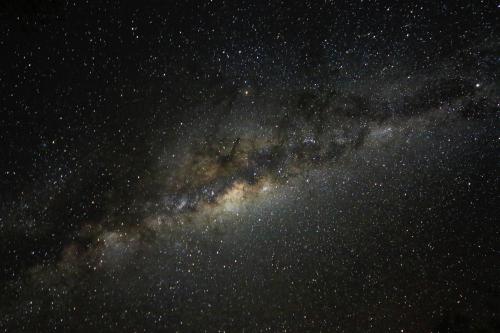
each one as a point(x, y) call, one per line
point(250, 166)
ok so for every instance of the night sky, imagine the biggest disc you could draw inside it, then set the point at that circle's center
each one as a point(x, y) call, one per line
point(250, 166)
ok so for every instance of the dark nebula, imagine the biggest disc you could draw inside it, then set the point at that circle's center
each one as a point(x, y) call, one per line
point(250, 166)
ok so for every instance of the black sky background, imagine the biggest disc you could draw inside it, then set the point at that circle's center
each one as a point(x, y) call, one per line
point(92, 92)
